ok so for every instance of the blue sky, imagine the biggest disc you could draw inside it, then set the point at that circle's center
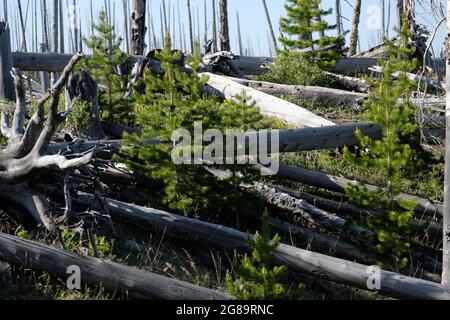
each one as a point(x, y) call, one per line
point(252, 18)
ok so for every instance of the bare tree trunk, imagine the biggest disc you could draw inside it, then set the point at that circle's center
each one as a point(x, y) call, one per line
point(55, 38)
point(76, 35)
point(6, 63)
point(22, 27)
point(45, 22)
point(269, 21)
point(45, 82)
point(355, 28)
point(214, 27)
point(224, 29)
point(126, 26)
point(191, 32)
point(400, 11)
point(338, 18)
point(138, 28)
point(446, 238)
point(61, 23)
point(239, 33)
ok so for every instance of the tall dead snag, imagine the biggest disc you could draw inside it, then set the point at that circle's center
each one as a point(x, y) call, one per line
point(191, 31)
point(224, 29)
point(214, 27)
point(138, 28)
point(6, 63)
point(26, 155)
point(355, 28)
point(269, 21)
point(446, 235)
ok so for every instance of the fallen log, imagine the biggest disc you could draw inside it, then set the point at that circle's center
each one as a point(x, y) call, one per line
point(334, 247)
point(349, 83)
point(308, 212)
point(319, 265)
point(346, 209)
point(268, 105)
point(94, 271)
point(337, 184)
point(318, 95)
point(354, 64)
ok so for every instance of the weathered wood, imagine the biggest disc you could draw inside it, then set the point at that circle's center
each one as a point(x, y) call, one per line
point(337, 184)
point(317, 240)
point(346, 209)
point(354, 35)
point(138, 28)
point(224, 28)
point(308, 212)
point(268, 105)
point(349, 83)
point(94, 271)
point(322, 266)
point(446, 211)
point(319, 95)
point(6, 64)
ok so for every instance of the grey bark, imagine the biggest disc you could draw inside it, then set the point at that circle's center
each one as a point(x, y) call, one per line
point(224, 27)
point(100, 272)
point(138, 28)
point(6, 63)
point(355, 28)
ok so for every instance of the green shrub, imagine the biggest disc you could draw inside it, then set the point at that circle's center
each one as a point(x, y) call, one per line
point(176, 101)
point(303, 21)
point(392, 156)
point(295, 69)
point(258, 278)
point(102, 67)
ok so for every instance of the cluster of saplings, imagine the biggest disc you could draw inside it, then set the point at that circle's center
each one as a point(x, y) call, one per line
point(161, 103)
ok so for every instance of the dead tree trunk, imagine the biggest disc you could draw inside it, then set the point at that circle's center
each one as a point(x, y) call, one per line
point(214, 27)
point(338, 18)
point(6, 63)
point(44, 76)
point(269, 22)
point(355, 28)
point(25, 158)
point(55, 38)
point(140, 284)
point(326, 267)
point(446, 241)
point(191, 31)
point(224, 28)
point(338, 184)
point(138, 28)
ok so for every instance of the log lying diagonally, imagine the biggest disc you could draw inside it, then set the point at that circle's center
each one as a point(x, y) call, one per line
point(337, 184)
point(268, 105)
point(321, 96)
point(26, 157)
point(307, 211)
point(94, 271)
point(342, 208)
point(322, 266)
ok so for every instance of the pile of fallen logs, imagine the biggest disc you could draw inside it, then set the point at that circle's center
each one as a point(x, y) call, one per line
point(32, 156)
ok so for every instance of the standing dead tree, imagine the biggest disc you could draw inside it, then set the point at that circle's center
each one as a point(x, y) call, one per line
point(446, 241)
point(138, 28)
point(224, 29)
point(6, 63)
point(269, 22)
point(355, 28)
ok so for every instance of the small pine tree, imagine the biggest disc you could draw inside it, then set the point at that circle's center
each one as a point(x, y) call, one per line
point(102, 66)
point(258, 278)
point(304, 19)
point(173, 101)
point(389, 106)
